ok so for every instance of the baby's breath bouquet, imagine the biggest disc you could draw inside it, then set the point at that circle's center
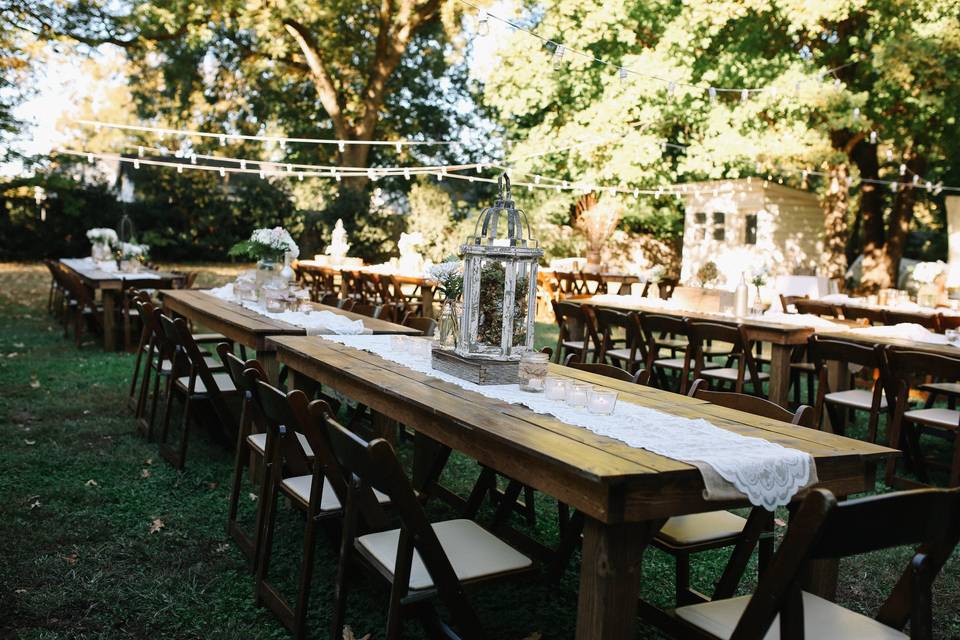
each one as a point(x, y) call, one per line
point(267, 244)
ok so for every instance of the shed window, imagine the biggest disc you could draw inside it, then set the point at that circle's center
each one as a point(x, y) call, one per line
point(750, 229)
point(719, 225)
point(699, 226)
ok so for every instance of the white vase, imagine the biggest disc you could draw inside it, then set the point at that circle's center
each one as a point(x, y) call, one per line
point(287, 273)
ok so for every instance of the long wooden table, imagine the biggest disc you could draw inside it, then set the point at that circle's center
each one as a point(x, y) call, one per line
point(625, 493)
point(251, 329)
point(111, 285)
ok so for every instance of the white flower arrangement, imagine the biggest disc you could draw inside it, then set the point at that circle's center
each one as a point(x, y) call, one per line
point(449, 275)
point(928, 272)
point(132, 251)
point(267, 243)
point(760, 275)
point(654, 274)
point(101, 235)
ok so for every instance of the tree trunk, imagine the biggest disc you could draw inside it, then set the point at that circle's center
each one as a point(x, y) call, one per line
point(836, 205)
point(875, 268)
point(902, 215)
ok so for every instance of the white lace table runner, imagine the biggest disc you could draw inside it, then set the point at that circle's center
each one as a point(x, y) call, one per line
point(903, 331)
point(92, 267)
point(732, 465)
point(316, 322)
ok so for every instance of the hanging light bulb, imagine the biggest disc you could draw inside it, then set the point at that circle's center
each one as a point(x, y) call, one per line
point(483, 24)
point(536, 179)
point(193, 158)
point(712, 92)
point(856, 113)
point(744, 95)
point(938, 188)
point(836, 83)
point(341, 146)
point(893, 187)
point(889, 155)
point(439, 176)
point(406, 173)
point(398, 147)
point(262, 176)
point(873, 137)
point(140, 151)
point(179, 168)
point(223, 140)
point(337, 176)
point(903, 169)
point(623, 74)
point(289, 168)
point(636, 193)
point(558, 55)
point(136, 164)
point(479, 168)
point(300, 176)
point(243, 164)
point(90, 158)
point(222, 172)
point(928, 186)
point(916, 180)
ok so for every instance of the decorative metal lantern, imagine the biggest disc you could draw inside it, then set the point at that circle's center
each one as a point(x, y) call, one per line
point(499, 283)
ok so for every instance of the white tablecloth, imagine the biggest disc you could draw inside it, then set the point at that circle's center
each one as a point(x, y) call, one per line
point(316, 322)
point(95, 268)
point(903, 331)
point(732, 465)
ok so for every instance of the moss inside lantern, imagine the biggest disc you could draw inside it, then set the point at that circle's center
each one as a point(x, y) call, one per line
point(490, 321)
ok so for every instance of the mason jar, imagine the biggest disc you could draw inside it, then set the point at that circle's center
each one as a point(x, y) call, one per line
point(533, 371)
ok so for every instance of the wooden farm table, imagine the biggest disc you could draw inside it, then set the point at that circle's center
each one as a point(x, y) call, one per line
point(782, 337)
point(625, 493)
point(251, 329)
point(111, 285)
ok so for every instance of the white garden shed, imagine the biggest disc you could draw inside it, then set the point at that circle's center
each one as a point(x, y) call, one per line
point(744, 225)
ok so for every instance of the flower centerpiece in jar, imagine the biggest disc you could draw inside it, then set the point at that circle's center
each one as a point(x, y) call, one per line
point(653, 276)
point(131, 256)
point(268, 247)
point(101, 239)
point(758, 278)
point(449, 277)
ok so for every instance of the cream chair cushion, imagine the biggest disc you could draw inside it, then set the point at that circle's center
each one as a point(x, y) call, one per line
point(473, 551)
point(299, 486)
point(213, 364)
point(700, 528)
point(258, 442)
point(623, 354)
point(669, 363)
point(952, 388)
point(224, 383)
point(821, 619)
point(731, 373)
point(856, 398)
point(947, 418)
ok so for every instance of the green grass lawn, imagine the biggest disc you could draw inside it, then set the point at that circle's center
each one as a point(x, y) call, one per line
point(103, 539)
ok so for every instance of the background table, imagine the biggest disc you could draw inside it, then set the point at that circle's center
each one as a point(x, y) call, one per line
point(111, 285)
point(250, 328)
point(625, 493)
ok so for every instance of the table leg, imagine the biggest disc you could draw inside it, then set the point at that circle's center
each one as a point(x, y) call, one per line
point(271, 366)
point(780, 374)
point(839, 379)
point(426, 300)
point(610, 578)
point(109, 320)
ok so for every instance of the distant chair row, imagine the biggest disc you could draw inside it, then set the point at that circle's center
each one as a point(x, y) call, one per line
point(365, 288)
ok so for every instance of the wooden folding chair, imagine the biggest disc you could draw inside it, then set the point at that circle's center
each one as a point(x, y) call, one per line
point(907, 370)
point(364, 309)
point(931, 321)
point(426, 326)
point(824, 350)
point(302, 468)
point(824, 529)
point(200, 388)
point(577, 331)
point(627, 350)
point(642, 376)
point(817, 308)
point(866, 315)
point(660, 332)
point(420, 561)
point(700, 334)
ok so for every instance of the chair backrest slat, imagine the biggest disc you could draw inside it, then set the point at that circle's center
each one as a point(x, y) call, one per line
point(804, 416)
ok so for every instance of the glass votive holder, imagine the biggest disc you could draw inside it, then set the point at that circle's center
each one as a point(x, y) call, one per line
point(601, 401)
point(533, 371)
point(953, 336)
point(275, 303)
point(555, 388)
point(398, 343)
point(577, 393)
